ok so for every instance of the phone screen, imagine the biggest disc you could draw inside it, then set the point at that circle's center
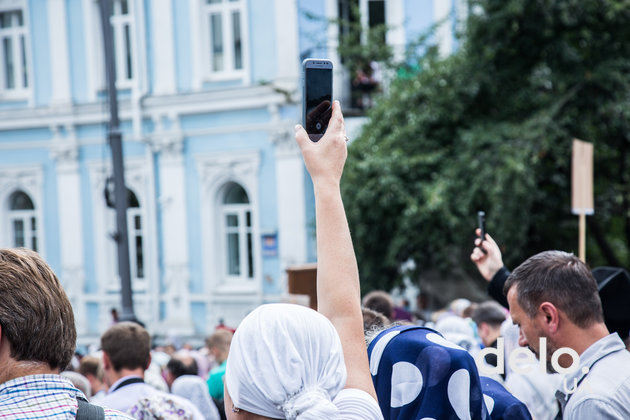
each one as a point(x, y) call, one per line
point(318, 100)
point(481, 221)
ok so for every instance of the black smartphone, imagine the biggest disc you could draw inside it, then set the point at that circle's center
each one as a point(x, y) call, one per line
point(481, 221)
point(317, 77)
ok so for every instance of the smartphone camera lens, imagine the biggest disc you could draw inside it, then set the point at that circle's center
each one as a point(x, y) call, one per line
point(318, 126)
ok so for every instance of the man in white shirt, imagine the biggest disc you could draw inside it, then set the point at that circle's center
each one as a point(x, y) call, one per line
point(553, 296)
point(126, 350)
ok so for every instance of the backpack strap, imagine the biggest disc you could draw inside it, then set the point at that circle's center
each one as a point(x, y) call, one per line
point(87, 411)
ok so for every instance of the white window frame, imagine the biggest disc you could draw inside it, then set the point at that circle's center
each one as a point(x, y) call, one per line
point(106, 256)
point(243, 231)
point(119, 24)
point(215, 173)
point(132, 234)
point(225, 9)
point(25, 216)
point(28, 179)
point(21, 57)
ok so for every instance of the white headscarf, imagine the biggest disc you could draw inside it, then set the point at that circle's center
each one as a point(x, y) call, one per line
point(195, 389)
point(285, 361)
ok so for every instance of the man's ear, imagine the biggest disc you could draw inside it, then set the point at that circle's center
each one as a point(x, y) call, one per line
point(107, 364)
point(549, 316)
point(148, 363)
point(483, 329)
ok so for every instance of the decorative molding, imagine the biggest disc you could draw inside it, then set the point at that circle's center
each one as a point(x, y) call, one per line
point(65, 151)
point(168, 143)
point(214, 172)
point(283, 140)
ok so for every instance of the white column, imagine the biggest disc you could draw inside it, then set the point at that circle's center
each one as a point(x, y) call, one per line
point(65, 153)
point(58, 49)
point(287, 39)
point(291, 206)
point(93, 49)
point(444, 34)
point(172, 202)
point(163, 40)
point(340, 75)
point(196, 37)
point(395, 17)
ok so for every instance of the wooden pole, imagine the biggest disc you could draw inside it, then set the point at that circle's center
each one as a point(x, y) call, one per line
point(582, 244)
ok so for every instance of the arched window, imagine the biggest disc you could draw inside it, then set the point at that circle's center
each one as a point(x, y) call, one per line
point(135, 229)
point(236, 217)
point(22, 220)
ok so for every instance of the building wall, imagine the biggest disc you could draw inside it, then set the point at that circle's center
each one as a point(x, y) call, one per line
point(187, 135)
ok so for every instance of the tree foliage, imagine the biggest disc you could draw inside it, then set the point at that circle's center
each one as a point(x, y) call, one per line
point(490, 128)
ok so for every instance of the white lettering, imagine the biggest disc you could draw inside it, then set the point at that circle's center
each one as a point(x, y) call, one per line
point(575, 360)
point(522, 360)
point(499, 351)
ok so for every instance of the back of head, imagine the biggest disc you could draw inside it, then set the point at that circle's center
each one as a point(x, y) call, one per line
point(373, 320)
point(286, 361)
point(379, 301)
point(220, 339)
point(128, 345)
point(561, 279)
point(35, 313)
point(181, 364)
point(91, 365)
point(489, 312)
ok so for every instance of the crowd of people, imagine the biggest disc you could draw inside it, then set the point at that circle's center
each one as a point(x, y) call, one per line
point(350, 359)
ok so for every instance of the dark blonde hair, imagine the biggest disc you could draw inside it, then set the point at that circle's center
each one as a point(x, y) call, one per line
point(35, 313)
point(220, 339)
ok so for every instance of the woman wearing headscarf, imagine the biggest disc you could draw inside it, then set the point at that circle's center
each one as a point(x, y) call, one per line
point(195, 389)
point(288, 362)
point(418, 374)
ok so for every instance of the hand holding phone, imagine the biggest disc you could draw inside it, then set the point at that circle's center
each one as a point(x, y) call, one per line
point(317, 96)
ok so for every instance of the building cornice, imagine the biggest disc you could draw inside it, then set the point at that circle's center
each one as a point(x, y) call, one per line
point(231, 99)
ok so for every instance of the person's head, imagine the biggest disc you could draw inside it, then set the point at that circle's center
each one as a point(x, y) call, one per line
point(219, 344)
point(372, 319)
point(126, 346)
point(92, 368)
point(546, 287)
point(460, 306)
point(379, 301)
point(284, 359)
point(180, 365)
point(488, 316)
point(36, 318)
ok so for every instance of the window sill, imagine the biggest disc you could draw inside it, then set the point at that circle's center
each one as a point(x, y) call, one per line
point(14, 96)
point(224, 76)
point(231, 287)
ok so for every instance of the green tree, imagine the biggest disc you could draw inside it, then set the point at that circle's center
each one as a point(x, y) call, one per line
point(490, 128)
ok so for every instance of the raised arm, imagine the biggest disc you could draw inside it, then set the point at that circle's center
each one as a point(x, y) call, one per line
point(338, 291)
point(487, 257)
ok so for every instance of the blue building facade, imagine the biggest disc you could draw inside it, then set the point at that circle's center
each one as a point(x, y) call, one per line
point(209, 92)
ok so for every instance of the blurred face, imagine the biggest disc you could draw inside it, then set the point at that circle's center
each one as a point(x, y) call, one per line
point(529, 329)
